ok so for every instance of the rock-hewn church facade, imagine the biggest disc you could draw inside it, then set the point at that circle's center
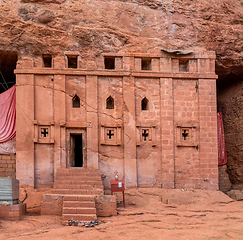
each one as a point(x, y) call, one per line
point(149, 116)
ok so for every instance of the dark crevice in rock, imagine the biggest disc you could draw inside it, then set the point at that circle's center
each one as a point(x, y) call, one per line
point(230, 103)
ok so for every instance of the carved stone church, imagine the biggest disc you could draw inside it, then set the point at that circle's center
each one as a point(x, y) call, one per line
point(151, 117)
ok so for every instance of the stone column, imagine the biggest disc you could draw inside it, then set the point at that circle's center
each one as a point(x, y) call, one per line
point(208, 146)
point(92, 121)
point(167, 132)
point(130, 169)
point(59, 118)
point(25, 129)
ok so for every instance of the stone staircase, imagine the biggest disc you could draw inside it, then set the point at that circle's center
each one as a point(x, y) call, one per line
point(78, 186)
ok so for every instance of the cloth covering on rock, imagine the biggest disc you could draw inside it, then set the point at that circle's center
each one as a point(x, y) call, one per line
point(222, 155)
point(8, 115)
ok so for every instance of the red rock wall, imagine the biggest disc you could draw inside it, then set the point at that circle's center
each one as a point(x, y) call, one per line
point(148, 153)
point(35, 27)
point(224, 181)
point(230, 102)
point(110, 155)
point(187, 159)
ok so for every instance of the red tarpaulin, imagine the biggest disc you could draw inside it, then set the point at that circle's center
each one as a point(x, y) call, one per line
point(8, 114)
point(222, 155)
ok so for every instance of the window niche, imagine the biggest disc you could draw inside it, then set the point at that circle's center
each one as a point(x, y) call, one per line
point(109, 62)
point(43, 131)
point(110, 135)
point(47, 61)
point(186, 135)
point(146, 133)
point(110, 103)
point(146, 64)
point(183, 65)
point(144, 104)
point(72, 61)
point(76, 102)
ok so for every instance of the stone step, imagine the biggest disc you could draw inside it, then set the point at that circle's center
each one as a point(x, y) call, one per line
point(78, 173)
point(78, 210)
point(84, 198)
point(78, 178)
point(78, 204)
point(88, 176)
point(78, 191)
point(78, 217)
point(78, 186)
point(79, 170)
point(64, 182)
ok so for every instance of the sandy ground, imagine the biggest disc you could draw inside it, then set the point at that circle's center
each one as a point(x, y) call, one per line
point(149, 214)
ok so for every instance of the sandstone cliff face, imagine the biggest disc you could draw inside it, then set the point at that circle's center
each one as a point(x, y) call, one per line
point(35, 27)
point(39, 26)
point(230, 102)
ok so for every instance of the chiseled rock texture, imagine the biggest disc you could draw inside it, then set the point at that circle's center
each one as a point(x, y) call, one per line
point(50, 26)
point(35, 27)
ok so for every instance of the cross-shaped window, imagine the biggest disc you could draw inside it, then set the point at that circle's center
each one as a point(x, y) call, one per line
point(110, 133)
point(44, 132)
point(145, 134)
point(185, 134)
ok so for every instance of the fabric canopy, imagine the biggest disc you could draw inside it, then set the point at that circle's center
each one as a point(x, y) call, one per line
point(8, 114)
point(222, 155)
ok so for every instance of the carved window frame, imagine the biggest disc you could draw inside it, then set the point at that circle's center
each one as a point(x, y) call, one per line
point(152, 134)
point(38, 125)
point(117, 134)
point(192, 140)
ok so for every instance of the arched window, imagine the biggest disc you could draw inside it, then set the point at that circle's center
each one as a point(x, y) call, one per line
point(110, 103)
point(76, 102)
point(144, 104)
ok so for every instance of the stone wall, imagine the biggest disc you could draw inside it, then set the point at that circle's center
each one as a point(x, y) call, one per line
point(149, 115)
point(110, 152)
point(13, 212)
point(106, 205)
point(8, 166)
point(148, 151)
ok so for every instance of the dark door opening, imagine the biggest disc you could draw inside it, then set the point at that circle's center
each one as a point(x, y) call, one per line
point(76, 151)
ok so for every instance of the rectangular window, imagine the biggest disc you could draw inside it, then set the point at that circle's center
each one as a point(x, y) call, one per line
point(183, 65)
point(146, 64)
point(109, 62)
point(72, 61)
point(47, 61)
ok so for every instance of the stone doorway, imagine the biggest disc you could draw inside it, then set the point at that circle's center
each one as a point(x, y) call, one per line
point(76, 150)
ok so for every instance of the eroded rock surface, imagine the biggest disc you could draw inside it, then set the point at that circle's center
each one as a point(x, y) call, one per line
point(236, 195)
point(230, 102)
point(36, 27)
